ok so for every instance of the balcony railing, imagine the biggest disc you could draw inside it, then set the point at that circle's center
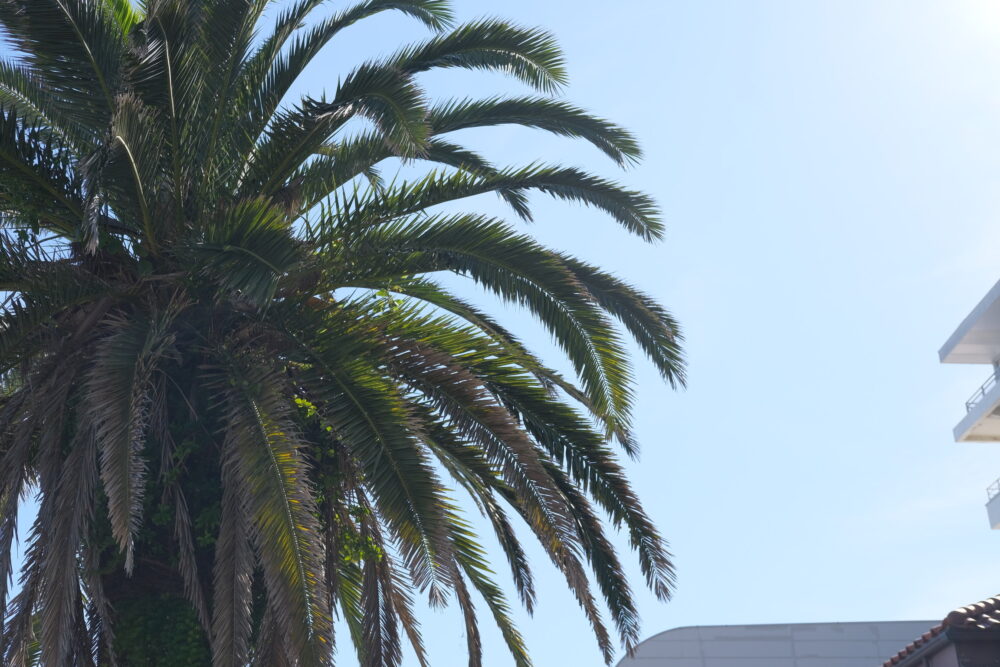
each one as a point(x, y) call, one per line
point(993, 490)
point(986, 388)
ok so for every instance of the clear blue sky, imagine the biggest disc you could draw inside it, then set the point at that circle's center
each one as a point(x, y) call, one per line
point(829, 173)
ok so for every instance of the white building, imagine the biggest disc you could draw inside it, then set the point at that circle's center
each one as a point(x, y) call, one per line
point(790, 645)
point(977, 341)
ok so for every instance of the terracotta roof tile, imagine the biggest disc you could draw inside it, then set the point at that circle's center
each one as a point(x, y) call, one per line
point(983, 615)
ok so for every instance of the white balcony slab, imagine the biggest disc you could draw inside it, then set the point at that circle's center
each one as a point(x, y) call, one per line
point(982, 421)
point(977, 338)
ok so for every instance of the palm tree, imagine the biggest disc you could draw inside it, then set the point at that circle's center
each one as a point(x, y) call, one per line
point(232, 375)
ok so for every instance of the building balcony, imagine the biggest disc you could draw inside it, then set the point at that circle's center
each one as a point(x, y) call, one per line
point(977, 338)
point(982, 414)
point(993, 504)
point(977, 341)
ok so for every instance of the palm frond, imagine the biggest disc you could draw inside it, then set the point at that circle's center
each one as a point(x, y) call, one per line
point(66, 511)
point(528, 54)
point(99, 612)
point(232, 574)
point(25, 93)
point(20, 647)
point(245, 252)
point(604, 563)
point(339, 163)
point(133, 168)
point(126, 14)
point(474, 562)
point(544, 113)
point(518, 270)
point(228, 33)
point(118, 392)
point(272, 474)
point(633, 210)
point(270, 72)
point(385, 97)
point(38, 181)
point(370, 417)
point(652, 327)
point(470, 469)
point(76, 48)
point(380, 629)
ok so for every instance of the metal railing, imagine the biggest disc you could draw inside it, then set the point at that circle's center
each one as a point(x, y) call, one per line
point(993, 490)
point(986, 387)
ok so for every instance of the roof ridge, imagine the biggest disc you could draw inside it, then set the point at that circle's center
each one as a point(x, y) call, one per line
point(974, 613)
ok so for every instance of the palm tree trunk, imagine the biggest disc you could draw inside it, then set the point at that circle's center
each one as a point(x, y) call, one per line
point(155, 626)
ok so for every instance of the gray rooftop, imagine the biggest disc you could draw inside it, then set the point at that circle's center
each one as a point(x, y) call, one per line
point(788, 645)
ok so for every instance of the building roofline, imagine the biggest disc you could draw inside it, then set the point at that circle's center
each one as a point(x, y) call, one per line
point(757, 625)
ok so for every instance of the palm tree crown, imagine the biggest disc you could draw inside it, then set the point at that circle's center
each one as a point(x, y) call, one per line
point(231, 372)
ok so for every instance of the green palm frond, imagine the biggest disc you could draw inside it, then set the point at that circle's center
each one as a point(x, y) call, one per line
point(133, 168)
point(246, 251)
point(23, 92)
point(40, 185)
point(544, 113)
point(633, 210)
point(75, 47)
point(652, 327)
point(271, 472)
point(518, 270)
point(46, 310)
point(270, 72)
point(528, 54)
point(474, 563)
point(126, 13)
point(386, 98)
point(339, 163)
point(372, 421)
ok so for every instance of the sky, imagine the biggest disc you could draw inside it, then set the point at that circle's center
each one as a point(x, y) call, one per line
point(828, 174)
